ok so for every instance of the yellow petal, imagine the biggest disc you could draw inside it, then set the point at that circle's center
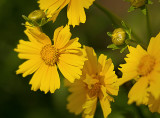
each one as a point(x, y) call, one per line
point(105, 105)
point(62, 37)
point(26, 47)
point(154, 82)
point(77, 97)
point(90, 107)
point(129, 70)
point(154, 48)
point(138, 92)
point(51, 81)
point(37, 77)
point(73, 44)
point(91, 63)
point(69, 72)
point(52, 6)
point(35, 35)
point(103, 64)
point(29, 67)
point(72, 59)
point(75, 11)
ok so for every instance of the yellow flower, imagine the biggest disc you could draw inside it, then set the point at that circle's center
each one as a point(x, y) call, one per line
point(144, 67)
point(75, 10)
point(98, 82)
point(43, 57)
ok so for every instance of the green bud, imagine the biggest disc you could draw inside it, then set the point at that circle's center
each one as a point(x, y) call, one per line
point(118, 36)
point(137, 3)
point(36, 15)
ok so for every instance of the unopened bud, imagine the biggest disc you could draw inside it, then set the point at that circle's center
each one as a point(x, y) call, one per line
point(36, 15)
point(118, 36)
point(137, 3)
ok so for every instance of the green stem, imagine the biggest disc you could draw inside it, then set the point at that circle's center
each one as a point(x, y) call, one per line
point(148, 25)
point(139, 111)
point(117, 22)
point(113, 18)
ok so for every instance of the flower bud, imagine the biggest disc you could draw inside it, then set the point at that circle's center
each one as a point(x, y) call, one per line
point(118, 36)
point(137, 3)
point(36, 15)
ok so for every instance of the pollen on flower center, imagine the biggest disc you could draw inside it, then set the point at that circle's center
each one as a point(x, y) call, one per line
point(94, 90)
point(146, 65)
point(49, 54)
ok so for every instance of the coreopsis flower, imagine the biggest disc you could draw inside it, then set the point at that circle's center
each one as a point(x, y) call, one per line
point(43, 57)
point(75, 10)
point(98, 82)
point(144, 67)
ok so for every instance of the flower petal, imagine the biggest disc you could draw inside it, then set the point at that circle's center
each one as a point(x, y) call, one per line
point(154, 48)
point(62, 37)
point(154, 82)
point(91, 63)
point(26, 47)
point(129, 69)
point(103, 64)
point(70, 72)
point(77, 98)
point(51, 80)
point(52, 6)
point(35, 35)
point(138, 92)
point(90, 107)
point(38, 76)
point(75, 11)
point(106, 107)
point(29, 67)
point(72, 59)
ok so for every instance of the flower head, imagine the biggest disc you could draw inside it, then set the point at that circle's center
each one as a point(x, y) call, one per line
point(75, 10)
point(143, 66)
point(43, 57)
point(98, 82)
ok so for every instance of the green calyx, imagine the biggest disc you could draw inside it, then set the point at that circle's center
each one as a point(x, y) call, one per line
point(37, 18)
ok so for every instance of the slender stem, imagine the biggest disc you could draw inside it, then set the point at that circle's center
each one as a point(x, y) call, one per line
point(148, 25)
point(113, 18)
point(139, 111)
point(117, 22)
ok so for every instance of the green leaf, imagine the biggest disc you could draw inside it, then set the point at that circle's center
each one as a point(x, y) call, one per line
point(122, 50)
point(124, 25)
point(150, 2)
point(131, 9)
point(127, 29)
point(144, 10)
point(25, 18)
point(109, 34)
point(113, 46)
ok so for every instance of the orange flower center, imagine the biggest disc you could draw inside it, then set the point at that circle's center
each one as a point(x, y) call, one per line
point(146, 65)
point(49, 54)
point(94, 90)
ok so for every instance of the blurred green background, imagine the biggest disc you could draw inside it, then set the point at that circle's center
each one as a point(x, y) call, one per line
point(16, 98)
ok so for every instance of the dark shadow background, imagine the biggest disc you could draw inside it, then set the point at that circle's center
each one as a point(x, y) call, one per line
point(16, 98)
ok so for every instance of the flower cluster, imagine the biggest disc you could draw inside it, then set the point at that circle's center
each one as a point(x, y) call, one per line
point(89, 80)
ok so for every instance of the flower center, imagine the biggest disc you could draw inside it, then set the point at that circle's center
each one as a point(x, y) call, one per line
point(94, 90)
point(49, 54)
point(146, 65)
